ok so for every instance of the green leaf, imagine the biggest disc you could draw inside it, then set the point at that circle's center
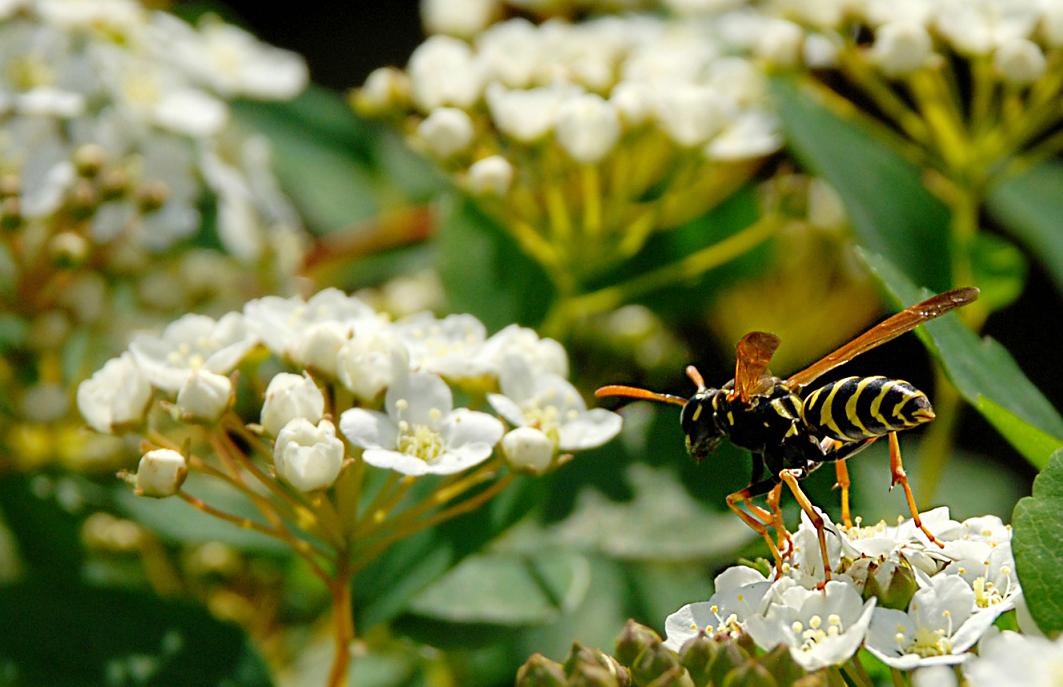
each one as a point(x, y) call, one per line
point(321, 156)
point(999, 270)
point(893, 214)
point(507, 589)
point(978, 367)
point(72, 635)
point(44, 514)
point(1030, 206)
point(485, 272)
point(1030, 441)
point(1038, 546)
point(384, 589)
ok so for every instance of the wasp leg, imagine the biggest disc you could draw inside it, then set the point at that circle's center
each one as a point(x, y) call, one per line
point(785, 543)
point(789, 477)
point(761, 528)
point(843, 483)
point(899, 476)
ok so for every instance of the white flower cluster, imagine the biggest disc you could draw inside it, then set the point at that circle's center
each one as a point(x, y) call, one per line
point(121, 112)
point(910, 35)
point(403, 373)
point(910, 603)
point(590, 86)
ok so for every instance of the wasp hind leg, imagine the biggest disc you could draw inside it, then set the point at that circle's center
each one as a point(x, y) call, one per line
point(760, 520)
point(838, 452)
point(899, 476)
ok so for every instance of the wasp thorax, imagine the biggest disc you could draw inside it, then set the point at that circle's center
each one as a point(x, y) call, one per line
point(698, 420)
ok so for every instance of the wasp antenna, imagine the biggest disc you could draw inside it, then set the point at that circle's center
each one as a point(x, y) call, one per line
point(695, 377)
point(634, 392)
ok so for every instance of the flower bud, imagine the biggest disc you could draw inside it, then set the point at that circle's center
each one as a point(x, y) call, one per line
point(291, 396)
point(160, 473)
point(490, 176)
point(779, 43)
point(317, 347)
point(308, 457)
point(369, 362)
point(89, 160)
point(116, 395)
point(892, 583)
point(444, 71)
point(461, 18)
point(634, 639)
point(591, 666)
point(781, 665)
point(901, 47)
point(68, 249)
point(690, 114)
point(204, 395)
point(385, 89)
point(654, 662)
point(750, 674)
point(697, 655)
point(1019, 61)
point(446, 132)
point(539, 671)
point(528, 449)
point(730, 656)
point(587, 128)
point(590, 675)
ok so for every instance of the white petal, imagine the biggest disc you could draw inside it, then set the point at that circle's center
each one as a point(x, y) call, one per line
point(460, 458)
point(507, 408)
point(592, 429)
point(393, 460)
point(464, 427)
point(368, 429)
point(685, 623)
point(422, 393)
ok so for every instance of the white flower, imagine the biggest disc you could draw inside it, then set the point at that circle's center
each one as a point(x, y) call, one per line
point(975, 27)
point(116, 395)
point(492, 175)
point(442, 72)
point(447, 131)
point(738, 595)
point(119, 15)
point(421, 433)
point(461, 18)
point(281, 322)
point(318, 346)
point(990, 572)
point(752, 134)
point(527, 115)
point(1014, 659)
point(934, 676)
point(690, 114)
point(588, 128)
point(549, 403)
point(308, 457)
point(1019, 61)
point(528, 449)
point(204, 395)
point(543, 354)
point(820, 628)
point(384, 89)
point(941, 624)
point(291, 396)
point(634, 101)
point(901, 48)
point(988, 529)
point(806, 563)
point(450, 347)
point(780, 42)
point(190, 343)
point(511, 52)
point(160, 473)
point(369, 362)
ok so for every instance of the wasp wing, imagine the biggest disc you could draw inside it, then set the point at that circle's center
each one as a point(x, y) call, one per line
point(753, 355)
point(904, 321)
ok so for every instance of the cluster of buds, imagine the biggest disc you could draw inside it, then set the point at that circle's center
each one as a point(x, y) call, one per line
point(912, 604)
point(319, 400)
point(114, 131)
point(583, 138)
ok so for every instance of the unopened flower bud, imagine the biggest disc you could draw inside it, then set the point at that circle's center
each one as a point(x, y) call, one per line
point(444, 71)
point(369, 362)
point(690, 114)
point(592, 663)
point(68, 249)
point(781, 665)
point(892, 583)
point(386, 89)
point(634, 639)
point(539, 671)
point(634, 101)
point(654, 662)
point(779, 43)
point(901, 47)
point(308, 457)
point(204, 395)
point(10, 185)
point(116, 395)
point(89, 160)
point(750, 674)
point(697, 655)
point(587, 128)
point(590, 675)
point(446, 132)
point(10, 213)
point(113, 184)
point(318, 346)
point(490, 176)
point(730, 656)
point(152, 195)
point(290, 396)
point(461, 18)
point(528, 449)
point(1019, 61)
point(161, 473)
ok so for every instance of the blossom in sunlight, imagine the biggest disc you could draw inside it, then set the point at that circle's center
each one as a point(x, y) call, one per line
point(421, 432)
point(990, 572)
point(738, 595)
point(1013, 659)
point(289, 397)
point(191, 343)
point(941, 624)
point(820, 628)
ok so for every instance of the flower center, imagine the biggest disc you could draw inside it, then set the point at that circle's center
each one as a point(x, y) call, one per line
point(725, 628)
point(815, 633)
point(927, 642)
point(420, 441)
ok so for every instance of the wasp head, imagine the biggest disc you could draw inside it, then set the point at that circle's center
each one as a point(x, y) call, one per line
point(698, 420)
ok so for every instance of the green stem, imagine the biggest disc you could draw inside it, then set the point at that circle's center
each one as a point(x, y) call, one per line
point(899, 679)
point(343, 624)
point(855, 670)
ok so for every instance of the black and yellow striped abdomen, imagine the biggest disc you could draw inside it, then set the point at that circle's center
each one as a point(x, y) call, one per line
point(857, 408)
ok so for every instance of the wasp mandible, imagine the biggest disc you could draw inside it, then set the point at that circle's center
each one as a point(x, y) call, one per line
point(792, 430)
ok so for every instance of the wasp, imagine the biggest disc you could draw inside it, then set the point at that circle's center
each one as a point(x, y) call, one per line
point(791, 430)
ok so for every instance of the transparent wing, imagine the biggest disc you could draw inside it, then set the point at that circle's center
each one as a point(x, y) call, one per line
point(753, 355)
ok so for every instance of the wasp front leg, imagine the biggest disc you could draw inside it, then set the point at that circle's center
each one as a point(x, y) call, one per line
point(789, 478)
point(760, 520)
